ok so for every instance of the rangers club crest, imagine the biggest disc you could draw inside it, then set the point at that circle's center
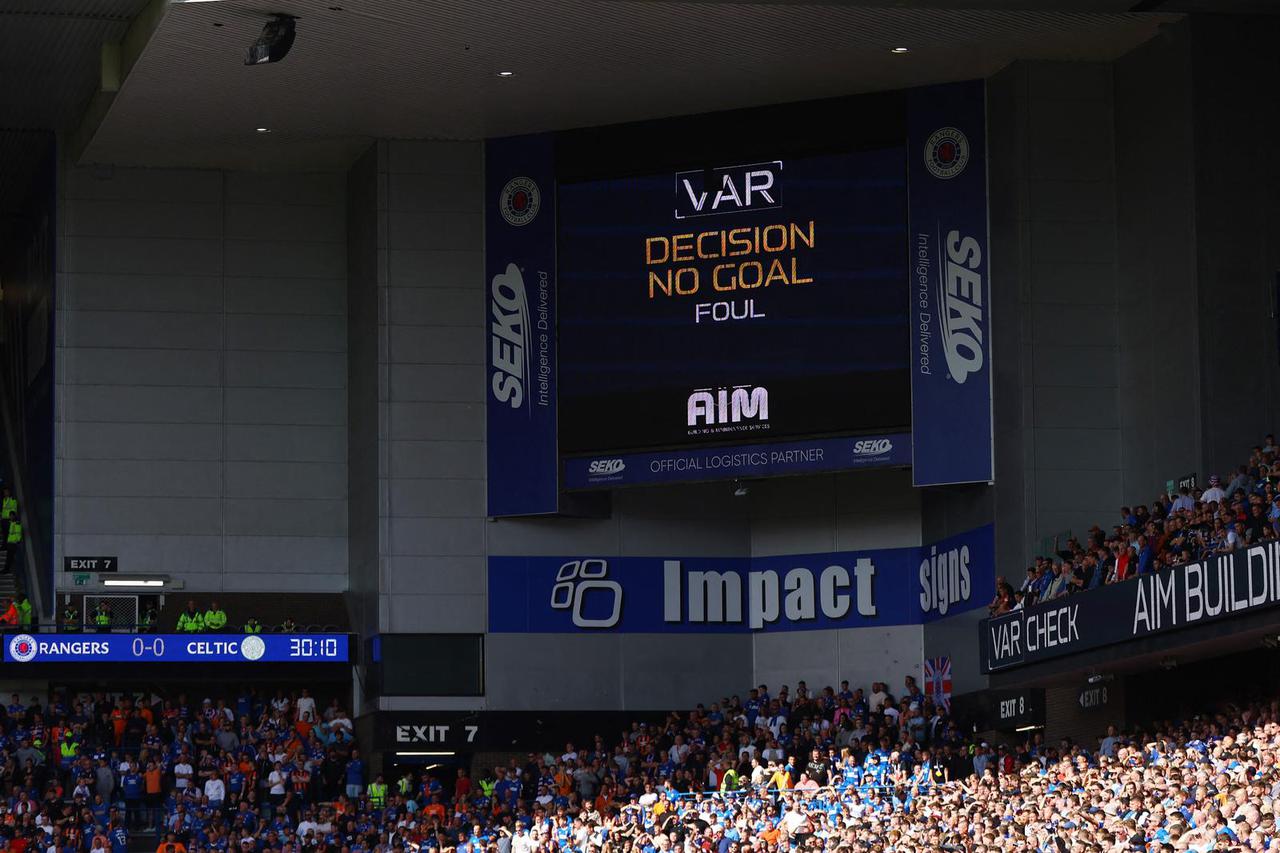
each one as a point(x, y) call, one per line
point(519, 201)
point(946, 153)
point(22, 648)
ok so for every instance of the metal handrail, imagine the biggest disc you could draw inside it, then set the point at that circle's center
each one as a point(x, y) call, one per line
point(84, 627)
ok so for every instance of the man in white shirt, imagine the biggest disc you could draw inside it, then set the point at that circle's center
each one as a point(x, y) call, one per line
point(523, 842)
point(182, 772)
point(679, 751)
point(216, 791)
point(308, 824)
point(1184, 501)
point(793, 820)
point(306, 707)
point(1214, 493)
point(878, 696)
point(277, 780)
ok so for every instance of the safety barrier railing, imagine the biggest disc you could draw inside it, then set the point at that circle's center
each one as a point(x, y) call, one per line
point(768, 790)
point(83, 626)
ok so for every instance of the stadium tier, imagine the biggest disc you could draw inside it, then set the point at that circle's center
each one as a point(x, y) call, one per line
point(832, 769)
point(422, 423)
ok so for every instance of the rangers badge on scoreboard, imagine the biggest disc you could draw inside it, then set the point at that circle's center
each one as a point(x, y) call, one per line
point(22, 648)
point(946, 153)
point(519, 201)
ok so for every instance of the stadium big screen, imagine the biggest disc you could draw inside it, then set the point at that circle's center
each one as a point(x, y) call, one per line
point(757, 301)
point(783, 290)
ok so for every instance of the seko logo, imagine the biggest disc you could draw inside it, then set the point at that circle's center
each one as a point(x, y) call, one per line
point(605, 467)
point(961, 307)
point(509, 336)
point(872, 447)
point(575, 581)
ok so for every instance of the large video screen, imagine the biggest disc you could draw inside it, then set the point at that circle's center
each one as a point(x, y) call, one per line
point(740, 303)
point(783, 290)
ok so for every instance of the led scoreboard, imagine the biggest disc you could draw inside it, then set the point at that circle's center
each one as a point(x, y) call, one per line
point(757, 301)
point(176, 648)
point(794, 289)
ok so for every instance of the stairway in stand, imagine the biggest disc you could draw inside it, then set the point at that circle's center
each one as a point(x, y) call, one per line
point(8, 583)
point(143, 840)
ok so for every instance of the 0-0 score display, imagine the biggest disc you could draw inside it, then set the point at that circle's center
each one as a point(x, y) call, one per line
point(176, 648)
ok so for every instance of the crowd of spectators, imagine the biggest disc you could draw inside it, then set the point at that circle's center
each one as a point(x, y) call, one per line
point(1188, 525)
point(81, 773)
point(848, 771)
point(832, 770)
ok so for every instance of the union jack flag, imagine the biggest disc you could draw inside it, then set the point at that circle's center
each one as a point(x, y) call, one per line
point(937, 681)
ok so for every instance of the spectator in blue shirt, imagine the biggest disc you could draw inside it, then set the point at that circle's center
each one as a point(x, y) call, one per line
point(119, 837)
point(355, 775)
point(1144, 555)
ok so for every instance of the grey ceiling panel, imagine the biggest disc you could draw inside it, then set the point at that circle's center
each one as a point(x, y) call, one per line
point(428, 68)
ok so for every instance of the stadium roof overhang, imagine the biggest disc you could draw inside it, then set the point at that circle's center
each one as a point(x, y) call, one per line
point(162, 82)
point(361, 70)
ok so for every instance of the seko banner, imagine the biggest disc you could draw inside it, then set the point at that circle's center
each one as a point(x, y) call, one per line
point(1184, 596)
point(683, 465)
point(950, 285)
point(848, 589)
point(520, 312)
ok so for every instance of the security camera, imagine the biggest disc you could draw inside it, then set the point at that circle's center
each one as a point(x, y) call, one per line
point(274, 43)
